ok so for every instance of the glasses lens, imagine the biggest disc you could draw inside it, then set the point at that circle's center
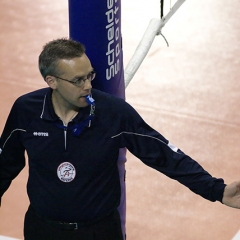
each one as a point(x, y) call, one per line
point(91, 76)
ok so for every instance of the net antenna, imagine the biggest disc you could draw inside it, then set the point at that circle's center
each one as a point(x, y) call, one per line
point(154, 28)
point(161, 8)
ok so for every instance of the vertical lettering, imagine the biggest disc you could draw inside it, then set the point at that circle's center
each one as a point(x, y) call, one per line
point(110, 4)
point(110, 62)
point(117, 33)
point(110, 15)
point(117, 67)
point(109, 48)
point(117, 50)
point(113, 36)
point(110, 33)
point(110, 72)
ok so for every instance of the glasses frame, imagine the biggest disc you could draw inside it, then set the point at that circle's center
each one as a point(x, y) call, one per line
point(82, 81)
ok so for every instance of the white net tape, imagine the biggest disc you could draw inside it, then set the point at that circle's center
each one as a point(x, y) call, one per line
point(154, 28)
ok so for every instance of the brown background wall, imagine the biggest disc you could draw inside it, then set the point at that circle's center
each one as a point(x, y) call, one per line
point(189, 92)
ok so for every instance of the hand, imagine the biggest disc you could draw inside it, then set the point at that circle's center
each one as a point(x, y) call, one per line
point(231, 195)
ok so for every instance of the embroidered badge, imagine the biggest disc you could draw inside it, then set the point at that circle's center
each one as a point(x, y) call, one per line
point(66, 172)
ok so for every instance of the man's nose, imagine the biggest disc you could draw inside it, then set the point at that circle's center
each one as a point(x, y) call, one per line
point(87, 84)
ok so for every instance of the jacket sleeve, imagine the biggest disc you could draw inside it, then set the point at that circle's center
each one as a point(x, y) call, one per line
point(12, 158)
point(157, 152)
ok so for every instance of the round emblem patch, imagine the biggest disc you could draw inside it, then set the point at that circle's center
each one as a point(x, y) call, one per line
point(66, 172)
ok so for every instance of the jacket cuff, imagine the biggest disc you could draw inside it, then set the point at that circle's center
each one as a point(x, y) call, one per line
point(217, 192)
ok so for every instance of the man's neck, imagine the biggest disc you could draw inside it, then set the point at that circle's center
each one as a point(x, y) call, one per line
point(65, 113)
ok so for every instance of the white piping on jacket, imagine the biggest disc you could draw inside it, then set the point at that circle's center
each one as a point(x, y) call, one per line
point(174, 148)
point(17, 129)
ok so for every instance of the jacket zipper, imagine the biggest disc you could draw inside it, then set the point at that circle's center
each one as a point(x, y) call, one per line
point(65, 135)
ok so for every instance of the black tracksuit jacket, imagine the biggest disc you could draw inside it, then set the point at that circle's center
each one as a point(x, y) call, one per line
point(94, 189)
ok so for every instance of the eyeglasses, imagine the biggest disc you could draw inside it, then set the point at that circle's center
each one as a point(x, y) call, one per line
point(79, 82)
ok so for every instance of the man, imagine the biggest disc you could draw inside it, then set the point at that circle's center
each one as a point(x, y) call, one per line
point(72, 135)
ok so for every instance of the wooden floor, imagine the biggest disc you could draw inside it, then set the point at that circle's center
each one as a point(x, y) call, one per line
point(190, 92)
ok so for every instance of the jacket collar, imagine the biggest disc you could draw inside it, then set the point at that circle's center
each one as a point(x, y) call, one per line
point(49, 114)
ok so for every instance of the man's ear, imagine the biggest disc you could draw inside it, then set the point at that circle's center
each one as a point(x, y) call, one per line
point(51, 81)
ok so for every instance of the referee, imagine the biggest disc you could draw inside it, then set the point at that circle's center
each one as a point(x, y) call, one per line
point(72, 135)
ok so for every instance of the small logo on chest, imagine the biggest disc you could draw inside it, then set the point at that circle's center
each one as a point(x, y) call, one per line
point(40, 134)
point(66, 172)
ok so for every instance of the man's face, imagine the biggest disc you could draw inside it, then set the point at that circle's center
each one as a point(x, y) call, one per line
point(67, 94)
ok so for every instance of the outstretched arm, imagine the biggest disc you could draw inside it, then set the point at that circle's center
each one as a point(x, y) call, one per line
point(231, 195)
